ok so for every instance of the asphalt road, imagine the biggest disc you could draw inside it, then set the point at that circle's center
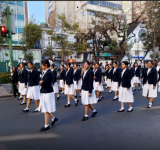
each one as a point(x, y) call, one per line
point(109, 130)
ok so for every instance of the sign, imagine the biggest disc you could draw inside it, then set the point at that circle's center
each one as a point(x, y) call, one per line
point(104, 55)
point(9, 64)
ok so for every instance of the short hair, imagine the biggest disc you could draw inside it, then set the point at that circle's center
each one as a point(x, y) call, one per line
point(18, 65)
point(125, 62)
point(45, 62)
point(97, 63)
point(30, 62)
point(115, 62)
point(135, 63)
point(87, 62)
point(53, 65)
point(110, 64)
point(150, 61)
point(69, 64)
point(62, 66)
point(23, 64)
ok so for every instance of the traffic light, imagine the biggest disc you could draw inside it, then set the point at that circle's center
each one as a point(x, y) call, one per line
point(3, 31)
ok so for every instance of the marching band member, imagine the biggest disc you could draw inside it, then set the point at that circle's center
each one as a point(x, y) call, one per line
point(106, 74)
point(98, 87)
point(77, 83)
point(24, 83)
point(125, 90)
point(69, 87)
point(47, 99)
point(149, 84)
point(54, 84)
point(115, 77)
point(33, 87)
point(62, 78)
point(109, 79)
point(136, 78)
point(158, 71)
point(88, 93)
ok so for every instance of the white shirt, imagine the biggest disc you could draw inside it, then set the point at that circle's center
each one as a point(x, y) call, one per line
point(85, 73)
point(75, 71)
point(135, 68)
point(123, 72)
point(44, 72)
point(114, 70)
point(67, 71)
point(149, 69)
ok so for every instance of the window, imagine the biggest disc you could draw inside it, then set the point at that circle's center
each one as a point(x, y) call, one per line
point(11, 2)
point(20, 17)
point(20, 10)
point(137, 53)
point(14, 42)
point(19, 3)
point(84, 13)
point(20, 30)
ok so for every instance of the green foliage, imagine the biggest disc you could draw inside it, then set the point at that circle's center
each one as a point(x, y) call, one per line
point(28, 56)
point(49, 53)
point(4, 77)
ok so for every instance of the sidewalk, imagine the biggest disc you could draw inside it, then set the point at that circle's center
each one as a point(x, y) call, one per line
point(5, 90)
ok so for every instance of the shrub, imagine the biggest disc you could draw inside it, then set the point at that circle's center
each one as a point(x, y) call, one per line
point(5, 78)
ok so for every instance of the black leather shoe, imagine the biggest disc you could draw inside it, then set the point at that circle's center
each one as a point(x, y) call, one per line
point(35, 111)
point(130, 110)
point(94, 113)
point(80, 96)
point(114, 99)
point(67, 105)
point(75, 96)
point(149, 106)
point(120, 110)
point(58, 98)
point(20, 98)
point(55, 120)
point(22, 103)
point(134, 90)
point(102, 97)
point(76, 103)
point(98, 100)
point(44, 129)
point(110, 92)
point(25, 110)
point(84, 118)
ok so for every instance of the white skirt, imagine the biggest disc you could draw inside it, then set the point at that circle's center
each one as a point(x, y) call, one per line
point(77, 86)
point(33, 92)
point(125, 95)
point(85, 99)
point(23, 89)
point(132, 84)
point(114, 86)
point(148, 90)
point(69, 90)
point(47, 102)
point(109, 83)
point(61, 83)
point(98, 87)
point(55, 88)
point(20, 87)
point(136, 80)
point(105, 79)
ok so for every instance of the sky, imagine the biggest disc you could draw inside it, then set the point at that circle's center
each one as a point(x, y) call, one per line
point(38, 9)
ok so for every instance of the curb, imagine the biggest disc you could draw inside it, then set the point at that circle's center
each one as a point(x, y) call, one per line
point(3, 96)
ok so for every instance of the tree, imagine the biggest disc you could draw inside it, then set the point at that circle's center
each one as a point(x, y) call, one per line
point(49, 53)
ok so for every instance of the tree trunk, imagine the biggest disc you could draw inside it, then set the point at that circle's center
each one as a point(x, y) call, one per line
point(122, 51)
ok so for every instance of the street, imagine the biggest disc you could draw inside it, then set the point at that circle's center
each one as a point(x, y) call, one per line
point(109, 130)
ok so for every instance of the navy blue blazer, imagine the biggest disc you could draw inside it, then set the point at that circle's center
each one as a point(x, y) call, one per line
point(158, 75)
point(151, 77)
point(76, 75)
point(69, 77)
point(62, 75)
point(144, 72)
point(54, 76)
point(106, 72)
point(87, 81)
point(137, 72)
point(19, 76)
point(24, 76)
point(46, 86)
point(98, 75)
point(132, 71)
point(110, 74)
point(125, 80)
point(79, 74)
point(33, 77)
point(116, 74)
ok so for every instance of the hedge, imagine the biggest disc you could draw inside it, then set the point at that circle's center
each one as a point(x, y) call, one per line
point(4, 77)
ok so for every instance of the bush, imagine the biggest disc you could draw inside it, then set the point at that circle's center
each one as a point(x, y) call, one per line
point(5, 78)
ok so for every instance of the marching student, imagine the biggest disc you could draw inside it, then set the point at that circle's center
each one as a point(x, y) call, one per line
point(125, 90)
point(33, 87)
point(47, 99)
point(132, 74)
point(62, 78)
point(69, 87)
point(19, 82)
point(109, 78)
point(158, 71)
point(144, 72)
point(136, 78)
point(88, 93)
point(77, 83)
point(150, 84)
point(106, 74)
point(54, 84)
point(24, 83)
point(98, 87)
point(116, 73)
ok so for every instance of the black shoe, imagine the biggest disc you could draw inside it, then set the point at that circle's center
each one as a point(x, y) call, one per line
point(110, 92)
point(25, 110)
point(130, 110)
point(94, 113)
point(44, 129)
point(35, 111)
point(121, 110)
point(23, 103)
point(20, 98)
point(134, 90)
point(149, 106)
point(76, 103)
point(58, 98)
point(114, 99)
point(67, 105)
point(55, 120)
point(102, 97)
point(75, 96)
point(80, 96)
point(84, 118)
point(98, 100)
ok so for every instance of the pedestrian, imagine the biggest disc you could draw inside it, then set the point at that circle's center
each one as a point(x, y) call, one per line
point(69, 87)
point(47, 99)
point(88, 93)
point(106, 74)
point(62, 78)
point(136, 78)
point(109, 79)
point(144, 72)
point(19, 81)
point(125, 90)
point(132, 74)
point(158, 75)
point(54, 84)
point(150, 84)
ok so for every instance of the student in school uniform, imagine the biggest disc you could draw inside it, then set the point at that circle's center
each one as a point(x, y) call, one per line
point(136, 78)
point(19, 82)
point(132, 74)
point(98, 87)
point(24, 83)
point(80, 80)
point(62, 78)
point(115, 76)
point(88, 93)
point(106, 74)
point(33, 87)
point(109, 79)
point(76, 78)
point(150, 84)
point(69, 87)
point(47, 99)
point(125, 90)
point(54, 84)
point(158, 76)
point(144, 72)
